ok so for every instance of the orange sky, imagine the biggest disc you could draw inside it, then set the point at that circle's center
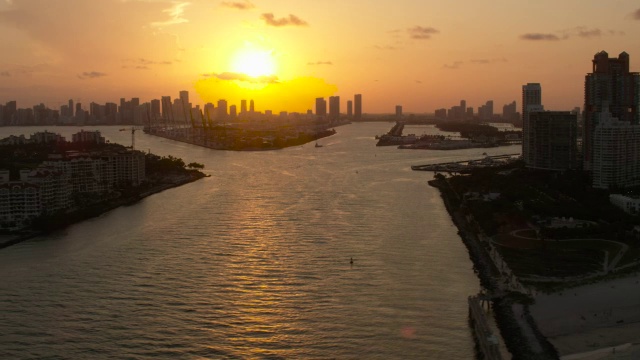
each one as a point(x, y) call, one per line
point(421, 54)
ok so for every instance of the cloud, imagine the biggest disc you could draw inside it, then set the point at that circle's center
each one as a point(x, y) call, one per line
point(142, 63)
point(320, 63)
point(5, 74)
point(487, 61)
point(422, 33)
point(245, 5)
point(386, 47)
point(588, 33)
point(454, 65)
point(91, 75)
point(539, 37)
point(293, 20)
point(636, 14)
point(578, 31)
point(176, 15)
point(231, 76)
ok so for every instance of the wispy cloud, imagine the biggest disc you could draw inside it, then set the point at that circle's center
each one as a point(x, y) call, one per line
point(142, 63)
point(578, 31)
point(320, 63)
point(271, 79)
point(636, 14)
point(539, 37)
point(239, 5)
point(454, 65)
point(5, 74)
point(292, 20)
point(91, 75)
point(487, 61)
point(176, 15)
point(422, 33)
point(386, 47)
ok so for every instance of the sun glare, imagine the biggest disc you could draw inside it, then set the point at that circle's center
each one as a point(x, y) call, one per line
point(254, 62)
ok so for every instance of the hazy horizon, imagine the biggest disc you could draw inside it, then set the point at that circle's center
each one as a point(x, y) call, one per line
point(423, 55)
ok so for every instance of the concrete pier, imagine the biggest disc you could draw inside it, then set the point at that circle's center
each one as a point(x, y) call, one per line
point(486, 339)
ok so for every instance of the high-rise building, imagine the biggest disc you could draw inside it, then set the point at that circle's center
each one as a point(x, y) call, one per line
point(209, 112)
point(185, 106)
point(233, 112)
point(552, 143)
point(155, 109)
point(357, 103)
point(509, 111)
point(9, 113)
point(334, 107)
point(321, 107)
point(184, 96)
point(222, 109)
point(531, 96)
point(531, 102)
point(616, 152)
point(398, 110)
point(485, 112)
point(243, 106)
point(70, 110)
point(441, 114)
point(349, 109)
point(252, 108)
point(611, 83)
point(167, 108)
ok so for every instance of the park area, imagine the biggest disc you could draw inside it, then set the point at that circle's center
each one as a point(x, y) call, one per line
point(552, 229)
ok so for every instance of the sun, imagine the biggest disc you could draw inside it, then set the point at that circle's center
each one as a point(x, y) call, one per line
point(254, 62)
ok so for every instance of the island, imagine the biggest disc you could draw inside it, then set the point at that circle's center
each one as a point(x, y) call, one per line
point(249, 135)
point(471, 136)
point(47, 183)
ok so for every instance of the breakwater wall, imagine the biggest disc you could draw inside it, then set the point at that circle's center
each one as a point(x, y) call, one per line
point(487, 341)
point(521, 336)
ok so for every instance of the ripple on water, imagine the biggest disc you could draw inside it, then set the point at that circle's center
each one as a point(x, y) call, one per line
point(252, 263)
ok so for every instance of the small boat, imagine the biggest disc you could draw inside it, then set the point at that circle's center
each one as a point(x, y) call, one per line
point(318, 145)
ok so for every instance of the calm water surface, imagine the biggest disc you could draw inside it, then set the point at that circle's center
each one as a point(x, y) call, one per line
point(252, 262)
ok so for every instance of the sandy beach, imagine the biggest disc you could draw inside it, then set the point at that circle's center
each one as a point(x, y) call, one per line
point(596, 321)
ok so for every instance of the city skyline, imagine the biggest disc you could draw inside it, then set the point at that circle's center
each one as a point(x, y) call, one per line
point(422, 55)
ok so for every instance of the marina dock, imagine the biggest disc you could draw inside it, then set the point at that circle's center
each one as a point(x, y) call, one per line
point(456, 166)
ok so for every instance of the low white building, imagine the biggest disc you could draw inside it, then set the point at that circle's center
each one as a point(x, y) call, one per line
point(629, 204)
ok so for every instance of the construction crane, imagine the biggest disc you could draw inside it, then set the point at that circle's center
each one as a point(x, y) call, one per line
point(133, 137)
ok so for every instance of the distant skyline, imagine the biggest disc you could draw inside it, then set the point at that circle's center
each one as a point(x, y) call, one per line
point(423, 55)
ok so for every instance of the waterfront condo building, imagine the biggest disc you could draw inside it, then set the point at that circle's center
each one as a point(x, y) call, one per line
point(616, 152)
point(531, 102)
point(551, 140)
point(611, 85)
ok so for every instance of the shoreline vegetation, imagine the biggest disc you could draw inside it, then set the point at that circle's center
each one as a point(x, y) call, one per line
point(162, 173)
point(534, 236)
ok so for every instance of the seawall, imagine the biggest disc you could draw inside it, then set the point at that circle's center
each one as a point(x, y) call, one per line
point(521, 337)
